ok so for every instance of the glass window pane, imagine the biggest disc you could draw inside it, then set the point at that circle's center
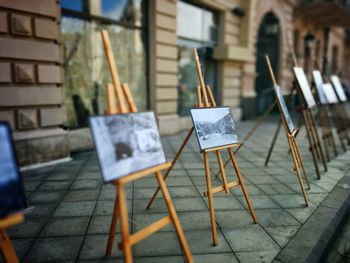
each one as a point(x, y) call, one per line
point(128, 12)
point(203, 23)
point(86, 69)
point(202, 35)
point(76, 5)
point(189, 15)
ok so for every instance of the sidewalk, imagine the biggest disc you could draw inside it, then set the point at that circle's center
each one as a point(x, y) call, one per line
point(73, 208)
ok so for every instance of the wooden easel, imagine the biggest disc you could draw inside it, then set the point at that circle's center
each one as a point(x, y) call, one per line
point(206, 99)
point(312, 135)
point(6, 247)
point(291, 137)
point(126, 104)
point(325, 120)
point(341, 118)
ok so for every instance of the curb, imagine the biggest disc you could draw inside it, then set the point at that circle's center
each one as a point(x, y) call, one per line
point(313, 240)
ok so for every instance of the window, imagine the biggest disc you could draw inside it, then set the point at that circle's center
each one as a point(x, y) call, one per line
point(202, 34)
point(85, 65)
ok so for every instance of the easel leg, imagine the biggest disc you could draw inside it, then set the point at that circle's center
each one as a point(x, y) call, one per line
point(112, 227)
point(210, 199)
point(124, 224)
point(312, 146)
point(299, 161)
point(171, 167)
point(241, 182)
point(274, 139)
point(317, 141)
point(295, 158)
point(7, 249)
point(222, 171)
point(337, 122)
point(174, 217)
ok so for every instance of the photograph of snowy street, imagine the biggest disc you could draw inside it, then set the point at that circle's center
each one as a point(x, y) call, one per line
point(214, 127)
point(126, 143)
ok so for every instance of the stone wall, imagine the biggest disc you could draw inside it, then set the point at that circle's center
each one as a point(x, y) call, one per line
point(31, 77)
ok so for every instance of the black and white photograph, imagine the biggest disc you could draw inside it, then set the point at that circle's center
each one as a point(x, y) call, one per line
point(214, 127)
point(330, 93)
point(12, 195)
point(338, 88)
point(126, 143)
point(317, 77)
point(285, 112)
point(304, 86)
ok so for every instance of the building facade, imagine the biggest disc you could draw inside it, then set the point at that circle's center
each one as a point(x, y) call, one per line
point(54, 72)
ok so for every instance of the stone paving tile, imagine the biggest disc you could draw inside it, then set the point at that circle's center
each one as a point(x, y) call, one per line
point(282, 234)
point(160, 243)
point(226, 202)
point(45, 197)
point(85, 184)
point(22, 246)
point(54, 185)
point(79, 208)
point(81, 195)
point(210, 258)
point(94, 247)
point(100, 225)
point(55, 249)
point(68, 226)
point(275, 217)
point(233, 219)
point(276, 188)
point(106, 207)
point(161, 259)
point(259, 202)
point(201, 241)
point(41, 210)
point(257, 256)
point(29, 229)
point(251, 238)
point(302, 214)
point(290, 200)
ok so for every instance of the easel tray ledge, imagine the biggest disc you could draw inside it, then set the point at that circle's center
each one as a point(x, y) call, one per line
point(142, 173)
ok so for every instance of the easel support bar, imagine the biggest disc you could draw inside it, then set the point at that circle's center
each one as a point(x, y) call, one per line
point(221, 188)
point(11, 220)
point(149, 230)
point(221, 147)
point(144, 173)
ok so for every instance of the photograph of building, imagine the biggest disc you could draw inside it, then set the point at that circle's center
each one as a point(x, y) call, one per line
point(126, 143)
point(214, 127)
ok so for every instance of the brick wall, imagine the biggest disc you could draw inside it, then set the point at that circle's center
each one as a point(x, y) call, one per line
point(31, 77)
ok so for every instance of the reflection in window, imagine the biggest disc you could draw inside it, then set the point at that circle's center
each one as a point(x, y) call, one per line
point(127, 12)
point(202, 34)
point(75, 5)
point(86, 69)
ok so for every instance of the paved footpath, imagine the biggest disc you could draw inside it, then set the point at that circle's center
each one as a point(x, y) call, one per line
point(73, 208)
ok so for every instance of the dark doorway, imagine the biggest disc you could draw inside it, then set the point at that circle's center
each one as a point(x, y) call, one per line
point(267, 44)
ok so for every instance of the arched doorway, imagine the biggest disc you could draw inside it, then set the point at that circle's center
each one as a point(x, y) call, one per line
point(268, 43)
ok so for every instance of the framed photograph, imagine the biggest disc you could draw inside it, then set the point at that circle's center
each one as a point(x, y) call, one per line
point(330, 93)
point(338, 88)
point(304, 86)
point(284, 109)
point(126, 143)
point(317, 77)
point(214, 127)
point(12, 195)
